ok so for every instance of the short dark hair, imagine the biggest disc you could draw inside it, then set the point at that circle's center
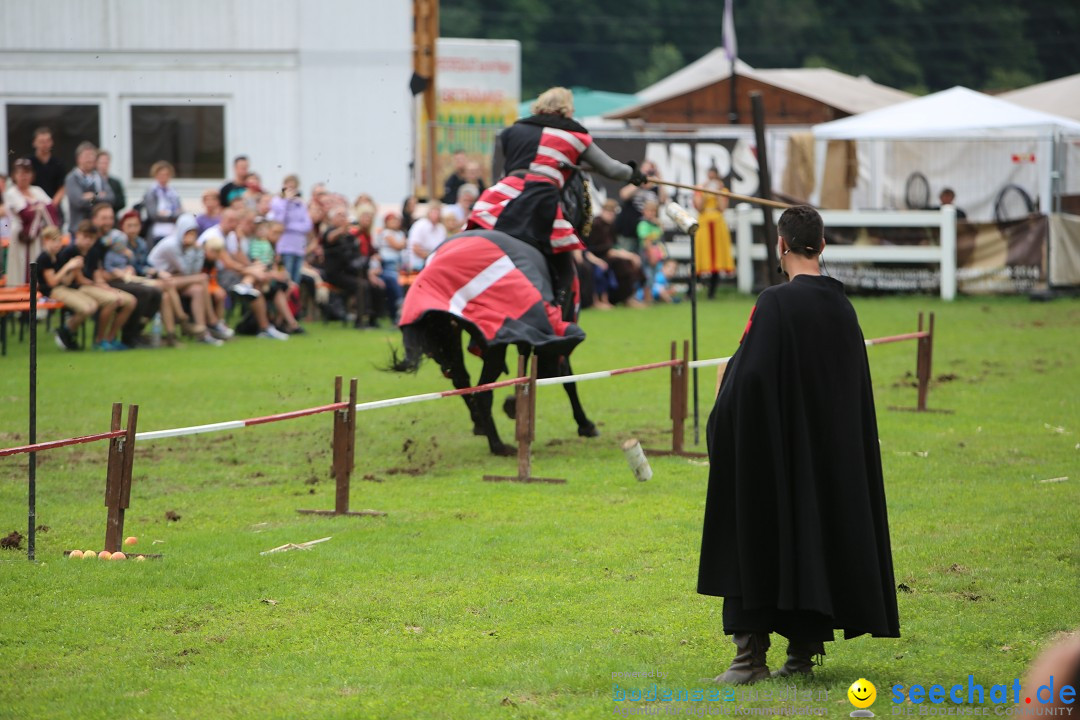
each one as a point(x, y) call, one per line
point(238, 158)
point(85, 227)
point(98, 207)
point(801, 226)
point(43, 130)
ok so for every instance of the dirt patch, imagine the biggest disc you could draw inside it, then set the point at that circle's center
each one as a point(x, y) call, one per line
point(414, 471)
point(13, 541)
point(947, 377)
point(907, 380)
point(959, 569)
point(172, 516)
point(372, 478)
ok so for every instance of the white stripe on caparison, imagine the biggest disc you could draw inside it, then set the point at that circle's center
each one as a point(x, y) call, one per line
point(481, 282)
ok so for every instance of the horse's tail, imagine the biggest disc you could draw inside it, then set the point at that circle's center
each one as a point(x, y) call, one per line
point(413, 352)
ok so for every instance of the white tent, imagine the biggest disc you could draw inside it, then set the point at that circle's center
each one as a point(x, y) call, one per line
point(974, 143)
point(1060, 96)
point(957, 112)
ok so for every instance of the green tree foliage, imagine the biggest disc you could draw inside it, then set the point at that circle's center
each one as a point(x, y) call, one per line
point(918, 45)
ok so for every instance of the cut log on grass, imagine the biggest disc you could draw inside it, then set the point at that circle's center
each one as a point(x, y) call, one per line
point(636, 457)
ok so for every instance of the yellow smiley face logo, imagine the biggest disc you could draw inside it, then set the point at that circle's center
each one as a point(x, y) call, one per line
point(862, 693)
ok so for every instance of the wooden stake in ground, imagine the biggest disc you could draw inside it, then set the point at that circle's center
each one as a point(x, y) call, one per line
point(524, 429)
point(344, 455)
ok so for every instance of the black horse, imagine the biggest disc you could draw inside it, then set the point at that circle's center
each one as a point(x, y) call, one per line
point(497, 290)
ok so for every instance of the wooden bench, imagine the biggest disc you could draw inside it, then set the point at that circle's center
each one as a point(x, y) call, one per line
point(17, 300)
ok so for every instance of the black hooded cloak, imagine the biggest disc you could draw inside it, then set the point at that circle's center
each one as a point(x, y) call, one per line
point(796, 535)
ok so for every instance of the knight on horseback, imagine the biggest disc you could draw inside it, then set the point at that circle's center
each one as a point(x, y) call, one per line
point(540, 154)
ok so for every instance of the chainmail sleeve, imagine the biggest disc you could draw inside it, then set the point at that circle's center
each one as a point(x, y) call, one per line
point(605, 164)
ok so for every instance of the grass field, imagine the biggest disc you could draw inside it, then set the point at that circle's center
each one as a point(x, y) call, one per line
point(479, 600)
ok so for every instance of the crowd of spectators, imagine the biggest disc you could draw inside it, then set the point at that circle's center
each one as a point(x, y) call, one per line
point(260, 260)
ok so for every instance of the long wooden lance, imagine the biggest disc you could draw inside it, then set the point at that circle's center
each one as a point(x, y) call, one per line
point(696, 188)
point(725, 193)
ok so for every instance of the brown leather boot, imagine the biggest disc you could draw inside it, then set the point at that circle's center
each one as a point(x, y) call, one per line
point(800, 657)
point(749, 663)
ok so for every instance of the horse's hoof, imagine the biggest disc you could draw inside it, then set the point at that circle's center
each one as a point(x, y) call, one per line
point(477, 430)
point(510, 407)
point(504, 450)
point(589, 430)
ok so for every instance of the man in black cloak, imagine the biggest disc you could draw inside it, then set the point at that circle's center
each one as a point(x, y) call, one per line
point(796, 536)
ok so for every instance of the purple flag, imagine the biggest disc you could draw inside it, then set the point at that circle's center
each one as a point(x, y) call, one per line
point(731, 48)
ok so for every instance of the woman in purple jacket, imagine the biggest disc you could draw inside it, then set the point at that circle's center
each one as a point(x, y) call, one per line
point(290, 211)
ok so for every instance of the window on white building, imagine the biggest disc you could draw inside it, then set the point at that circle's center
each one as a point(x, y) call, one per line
point(191, 137)
point(69, 125)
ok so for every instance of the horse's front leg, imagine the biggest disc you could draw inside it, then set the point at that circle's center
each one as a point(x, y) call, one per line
point(484, 423)
point(560, 367)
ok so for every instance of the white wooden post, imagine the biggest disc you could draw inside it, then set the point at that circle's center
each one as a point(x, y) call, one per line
point(744, 241)
point(948, 252)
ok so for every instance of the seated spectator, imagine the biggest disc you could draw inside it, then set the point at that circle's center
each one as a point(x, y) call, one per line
point(211, 214)
point(292, 213)
point(623, 272)
point(363, 200)
point(179, 258)
point(104, 162)
point(161, 202)
point(370, 272)
point(236, 186)
point(651, 238)
point(84, 187)
point(427, 234)
point(661, 287)
point(451, 223)
point(408, 213)
point(344, 265)
point(114, 306)
point(256, 316)
point(253, 190)
point(30, 212)
point(466, 198)
point(125, 261)
point(390, 243)
point(131, 226)
point(263, 203)
point(268, 275)
point(56, 280)
point(147, 295)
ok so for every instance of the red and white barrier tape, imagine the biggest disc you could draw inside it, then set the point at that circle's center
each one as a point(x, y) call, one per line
point(38, 447)
point(394, 402)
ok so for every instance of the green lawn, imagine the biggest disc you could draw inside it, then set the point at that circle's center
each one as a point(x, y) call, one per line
point(479, 600)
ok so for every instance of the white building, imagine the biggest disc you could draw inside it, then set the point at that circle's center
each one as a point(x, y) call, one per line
point(315, 87)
